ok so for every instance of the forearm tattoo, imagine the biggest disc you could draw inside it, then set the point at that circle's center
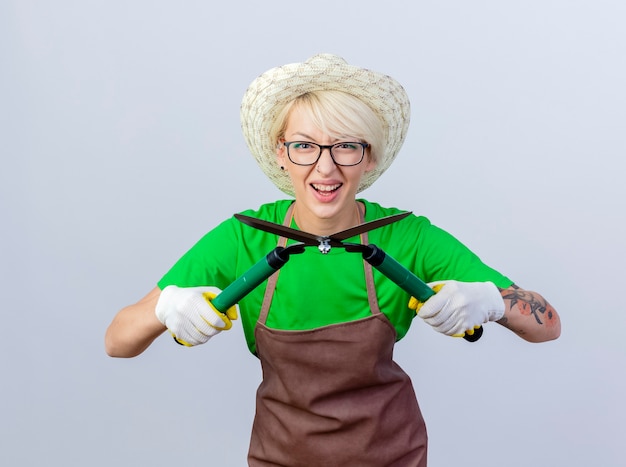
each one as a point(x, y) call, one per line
point(530, 304)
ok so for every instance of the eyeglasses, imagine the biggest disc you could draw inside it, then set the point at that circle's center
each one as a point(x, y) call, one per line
point(345, 153)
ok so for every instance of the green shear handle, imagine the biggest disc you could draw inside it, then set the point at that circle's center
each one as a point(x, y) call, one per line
point(404, 278)
point(273, 261)
point(254, 276)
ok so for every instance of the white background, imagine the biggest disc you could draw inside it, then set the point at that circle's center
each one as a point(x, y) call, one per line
point(120, 146)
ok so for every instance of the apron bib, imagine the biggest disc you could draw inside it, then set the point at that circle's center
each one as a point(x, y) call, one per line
point(333, 396)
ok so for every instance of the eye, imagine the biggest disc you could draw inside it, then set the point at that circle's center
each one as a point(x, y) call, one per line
point(347, 146)
point(303, 147)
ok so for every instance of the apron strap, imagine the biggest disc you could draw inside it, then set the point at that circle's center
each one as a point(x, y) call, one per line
point(282, 241)
point(369, 277)
point(271, 282)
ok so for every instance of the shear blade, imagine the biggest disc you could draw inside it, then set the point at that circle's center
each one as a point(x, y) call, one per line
point(310, 239)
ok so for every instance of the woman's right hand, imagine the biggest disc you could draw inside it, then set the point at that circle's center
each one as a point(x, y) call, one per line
point(190, 316)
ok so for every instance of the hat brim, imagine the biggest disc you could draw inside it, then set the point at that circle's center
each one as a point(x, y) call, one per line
point(271, 91)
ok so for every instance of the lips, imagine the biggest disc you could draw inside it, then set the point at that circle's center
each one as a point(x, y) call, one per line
point(326, 189)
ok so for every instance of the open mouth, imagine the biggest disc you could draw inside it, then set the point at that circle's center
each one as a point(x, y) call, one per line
point(326, 190)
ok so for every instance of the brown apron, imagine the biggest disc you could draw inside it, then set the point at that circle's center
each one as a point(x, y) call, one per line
point(333, 396)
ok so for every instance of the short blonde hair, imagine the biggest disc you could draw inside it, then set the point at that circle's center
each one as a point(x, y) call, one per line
point(338, 115)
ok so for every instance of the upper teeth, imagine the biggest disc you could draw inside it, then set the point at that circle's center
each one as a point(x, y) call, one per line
point(326, 187)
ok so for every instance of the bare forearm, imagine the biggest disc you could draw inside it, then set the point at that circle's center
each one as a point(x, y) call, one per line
point(529, 315)
point(134, 328)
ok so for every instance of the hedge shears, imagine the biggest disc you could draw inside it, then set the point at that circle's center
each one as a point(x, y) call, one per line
point(277, 258)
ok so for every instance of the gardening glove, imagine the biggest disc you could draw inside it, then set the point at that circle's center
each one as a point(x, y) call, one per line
point(460, 307)
point(190, 316)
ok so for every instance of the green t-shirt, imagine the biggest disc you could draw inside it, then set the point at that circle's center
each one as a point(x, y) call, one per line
point(315, 289)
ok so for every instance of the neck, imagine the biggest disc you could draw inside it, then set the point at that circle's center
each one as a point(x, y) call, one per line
point(308, 222)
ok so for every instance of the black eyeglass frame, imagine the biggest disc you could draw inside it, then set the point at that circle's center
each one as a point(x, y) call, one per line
point(330, 147)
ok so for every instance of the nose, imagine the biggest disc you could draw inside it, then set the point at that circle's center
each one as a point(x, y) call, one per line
point(325, 163)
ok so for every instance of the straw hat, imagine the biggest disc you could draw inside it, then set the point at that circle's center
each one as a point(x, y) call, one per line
point(272, 90)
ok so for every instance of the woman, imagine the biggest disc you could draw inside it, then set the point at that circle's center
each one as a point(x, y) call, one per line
point(324, 325)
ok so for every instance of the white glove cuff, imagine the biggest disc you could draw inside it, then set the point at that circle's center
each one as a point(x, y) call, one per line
point(493, 301)
point(166, 303)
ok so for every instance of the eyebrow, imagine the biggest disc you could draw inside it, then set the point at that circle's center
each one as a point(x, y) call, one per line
point(310, 138)
point(303, 135)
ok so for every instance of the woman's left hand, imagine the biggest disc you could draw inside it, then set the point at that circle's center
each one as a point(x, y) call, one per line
point(460, 307)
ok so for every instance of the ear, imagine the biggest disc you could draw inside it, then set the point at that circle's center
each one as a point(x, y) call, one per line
point(281, 154)
point(370, 165)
